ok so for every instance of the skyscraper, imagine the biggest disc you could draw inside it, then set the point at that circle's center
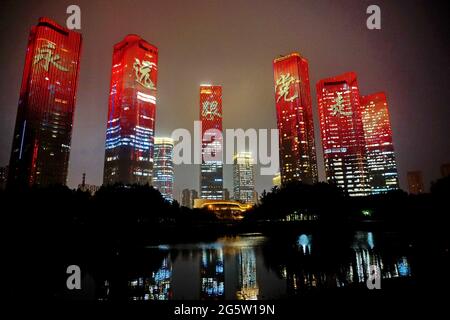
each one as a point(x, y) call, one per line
point(163, 168)
point(342, 133)
point(295, 119)
point(211, 168)
point(381, 165)
point(415, 182)
point(43, 130)
point(244, 178)
point(131, 114)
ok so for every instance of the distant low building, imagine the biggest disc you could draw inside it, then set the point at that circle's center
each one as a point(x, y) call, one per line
point(186, 198)
point(3, 177)
point(92, 189)
point(226, 194)
point(445, 170)
point(194, 195)
point(415, 182)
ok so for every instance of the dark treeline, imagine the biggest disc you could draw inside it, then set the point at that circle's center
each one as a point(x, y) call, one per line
point(125, 213)
point(121, 209)
point(330, 204)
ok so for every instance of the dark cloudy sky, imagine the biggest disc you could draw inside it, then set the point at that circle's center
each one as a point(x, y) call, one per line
point(232, 43)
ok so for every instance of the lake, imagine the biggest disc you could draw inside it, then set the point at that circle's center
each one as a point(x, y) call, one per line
point(253, 266)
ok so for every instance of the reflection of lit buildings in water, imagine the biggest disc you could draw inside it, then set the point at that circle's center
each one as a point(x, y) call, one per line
point(303, 278)
point(368, 262)
point(363, 261)
point(248, 286)
point(212, 274)
point(156, 287)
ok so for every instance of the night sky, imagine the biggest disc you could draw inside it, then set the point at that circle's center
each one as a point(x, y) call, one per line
point(233, 43)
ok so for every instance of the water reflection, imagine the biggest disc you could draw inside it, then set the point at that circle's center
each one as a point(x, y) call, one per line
point(212, 274)
point(335, 266)
point(248, 285)
point(155, 287)
point(252, 266)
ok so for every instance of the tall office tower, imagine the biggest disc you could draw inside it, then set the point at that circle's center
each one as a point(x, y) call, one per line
point(244, 178)
point(163, 168)
point(186, 198)
point(381, 166)
point(43, 131)
point(295, 119)
point(415, 182)
point(131, 114)
point(445, 170)
point(211, 168)
point(342, 133)
point(194, 195)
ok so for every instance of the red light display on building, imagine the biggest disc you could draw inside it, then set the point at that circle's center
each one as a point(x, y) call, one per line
point(342, 133)
point(211, 170)
point(381, 164)
point(295, 119)
point(131, 113)
point(43, 131)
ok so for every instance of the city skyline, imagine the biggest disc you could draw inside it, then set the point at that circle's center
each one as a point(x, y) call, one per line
point(82, 158)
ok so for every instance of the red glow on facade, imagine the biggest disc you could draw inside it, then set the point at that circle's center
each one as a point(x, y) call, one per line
point(381, 164)
point(342, 133)
point(211, 171)
point(131, 113)
point(43, 130)
point(295, 119)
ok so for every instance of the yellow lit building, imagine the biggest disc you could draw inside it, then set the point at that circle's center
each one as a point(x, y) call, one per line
point(224, 209)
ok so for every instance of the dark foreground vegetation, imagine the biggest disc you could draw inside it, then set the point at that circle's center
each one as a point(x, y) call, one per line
point(44, 229)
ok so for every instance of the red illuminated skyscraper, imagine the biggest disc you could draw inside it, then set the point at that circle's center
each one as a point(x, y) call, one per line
point(211, 169)
point(131, 114)
point(295, 119)
point(381, 165)
point(342, 133)
point(43, 131)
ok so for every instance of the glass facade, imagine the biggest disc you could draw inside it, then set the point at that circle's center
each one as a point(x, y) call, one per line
point(342, 132)
point(381, 165)
point(244, 178)
point(43, 130)
point(163, 169)
point(295, 119)
point(211, 170)
point(131, 113)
